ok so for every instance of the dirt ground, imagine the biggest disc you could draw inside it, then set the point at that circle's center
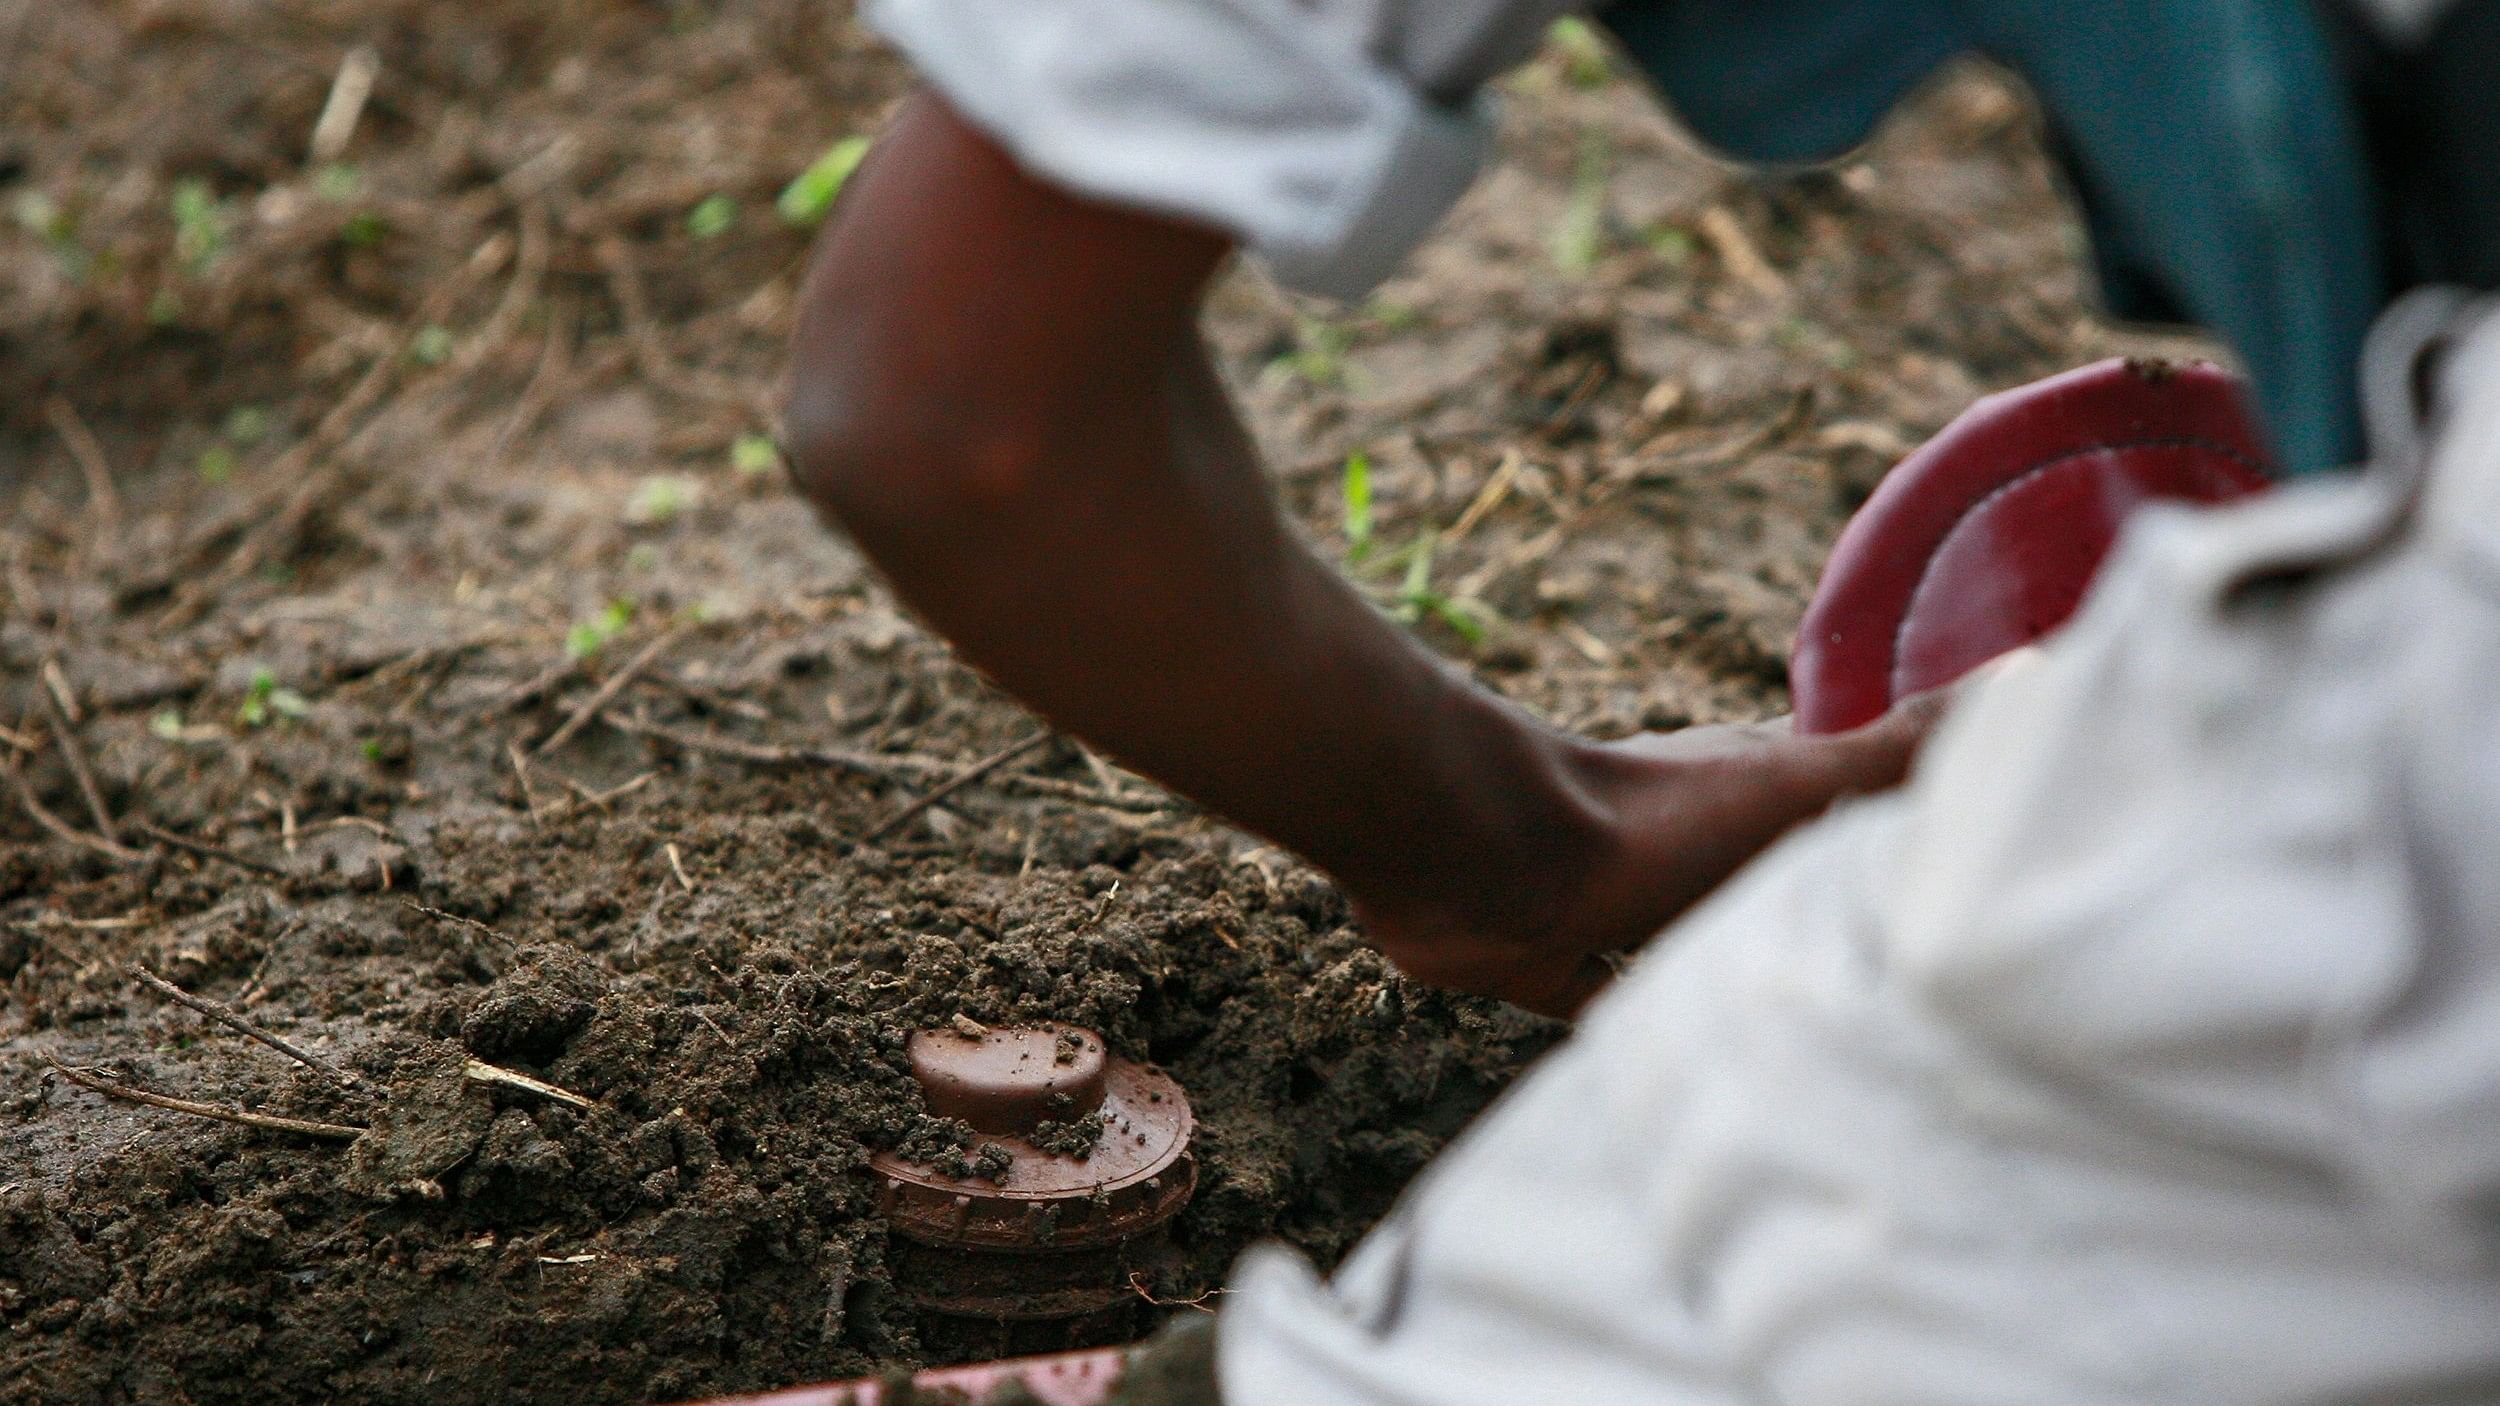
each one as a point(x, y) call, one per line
point(335, 485)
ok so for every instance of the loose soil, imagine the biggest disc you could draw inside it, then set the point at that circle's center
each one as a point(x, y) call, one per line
point(330, 489)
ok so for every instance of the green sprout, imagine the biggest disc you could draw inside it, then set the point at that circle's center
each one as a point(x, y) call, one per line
point(806, 199)
point(202, 225)
point(371, 747)
point(754, 455)
point(167, 724)
point(246, 425)
point(1671, 243)
point(1417, 600)
point(362, 230)
point(593, 634)
point(1318, 354)
point(1391, 314)
point(712, 217)
point(431, 346)
point(661, 498)
point(216, 463)
point(1357, 493)
point(1581, 235)
point(339, 181)
point(40, 215)
point(1586, 61)
point(266, 700)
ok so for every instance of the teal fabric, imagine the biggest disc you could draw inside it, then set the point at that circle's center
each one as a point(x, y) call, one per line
point(2218, 157)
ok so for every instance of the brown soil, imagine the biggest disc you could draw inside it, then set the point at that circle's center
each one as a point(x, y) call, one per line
point(304, 489)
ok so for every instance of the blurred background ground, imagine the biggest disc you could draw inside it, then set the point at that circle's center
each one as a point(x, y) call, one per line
point(344, 465)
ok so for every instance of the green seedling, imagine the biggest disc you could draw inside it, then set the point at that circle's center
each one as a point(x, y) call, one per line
point(246, 425)
point(164, 308)
point(266, 701)
point(712, 217)
point(1587, 63)
point(1671, 243)
point(431, 346)
point(216, 463)
point(1417, 600)
point(660, 499)
point(595, 633)
point(40, 215)
point(1580, 237)
point(1318, 354)
point(371, 748)
point(806, 199)
point(362, 230)
point(1392, 315)
point(202, 225)
point(1356, 491)
point(754, 455)
point(338, 182)
point(1801, 333)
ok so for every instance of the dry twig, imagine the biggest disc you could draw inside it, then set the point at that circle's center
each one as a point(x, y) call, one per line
point(205, 850)
point(61, 829)
point(102, 499)
point(458, 921)
point(227, 1016)
point(65, 736)
point(484, 1073)
point(337, 1132)
point(962, 779)
point(607, 691)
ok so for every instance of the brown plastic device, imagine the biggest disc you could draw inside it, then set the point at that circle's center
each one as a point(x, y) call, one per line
point(1049, 1253)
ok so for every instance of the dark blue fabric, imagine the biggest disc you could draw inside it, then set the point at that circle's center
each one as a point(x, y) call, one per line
point(2212, 142)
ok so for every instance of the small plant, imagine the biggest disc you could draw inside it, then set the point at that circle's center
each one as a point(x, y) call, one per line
point(712, 217)
point(202, 225)
point(431, 346)
point(1586, 60)
point(371, 749)
point(339, 181)
point(362, 230)
point(246, 425)
point(1580, 237)
point(1318, 353)
point(1672, 243)
point(806, 199)
point(41, 216)
point(1391, 314)
point(754, 455)
point(660, 499)
point(1356, 493)
point(594, 634)
point(266, 701)
point(216, 463)
point(1417, 600)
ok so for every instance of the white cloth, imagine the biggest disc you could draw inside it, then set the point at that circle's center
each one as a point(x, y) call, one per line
point(1325, 135)
point(2144, 1049)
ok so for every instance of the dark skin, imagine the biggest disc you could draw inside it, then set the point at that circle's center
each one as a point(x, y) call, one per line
point(1000, 391)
